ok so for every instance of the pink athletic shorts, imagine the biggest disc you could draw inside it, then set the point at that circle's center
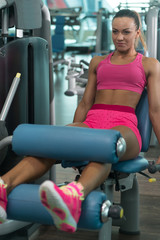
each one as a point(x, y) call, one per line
point(103, 116)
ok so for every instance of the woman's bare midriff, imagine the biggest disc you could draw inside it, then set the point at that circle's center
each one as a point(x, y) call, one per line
point(117, 97)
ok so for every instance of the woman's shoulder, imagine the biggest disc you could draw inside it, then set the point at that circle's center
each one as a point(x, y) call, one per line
point(97, 59)
point(150, 65)
point(149, 60)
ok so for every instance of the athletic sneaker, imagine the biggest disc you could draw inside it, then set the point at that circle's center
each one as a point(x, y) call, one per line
point(63, 203)
point(3, 201)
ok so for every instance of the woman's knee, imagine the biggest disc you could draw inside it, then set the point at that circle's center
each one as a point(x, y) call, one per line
point(132, 144)
point(132, 148)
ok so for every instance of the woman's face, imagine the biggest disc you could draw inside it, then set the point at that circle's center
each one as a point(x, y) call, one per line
point(124, 33)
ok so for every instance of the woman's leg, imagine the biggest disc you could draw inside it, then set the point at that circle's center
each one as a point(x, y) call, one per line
point(27, 170)
point(96, 173)
point(64, 204)
point(133, 147)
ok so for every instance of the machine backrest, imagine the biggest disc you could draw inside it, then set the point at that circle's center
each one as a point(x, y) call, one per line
point(144, 123)
point(21, 14)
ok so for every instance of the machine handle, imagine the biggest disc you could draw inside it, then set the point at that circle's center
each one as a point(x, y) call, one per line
point(153, 167)
point(10, 97)
point(111, 211)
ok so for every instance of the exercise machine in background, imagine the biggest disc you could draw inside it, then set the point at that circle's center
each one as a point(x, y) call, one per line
point(25, 48)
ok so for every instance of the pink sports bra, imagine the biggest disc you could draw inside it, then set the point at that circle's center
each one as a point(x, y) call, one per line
point(129, 76)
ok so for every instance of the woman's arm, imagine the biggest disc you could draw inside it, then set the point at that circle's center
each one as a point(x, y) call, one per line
point(90, 92)
point(153, 89)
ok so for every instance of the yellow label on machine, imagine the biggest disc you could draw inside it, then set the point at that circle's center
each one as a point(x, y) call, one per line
point(18, 75)
point(152, 180)
point(121, 213)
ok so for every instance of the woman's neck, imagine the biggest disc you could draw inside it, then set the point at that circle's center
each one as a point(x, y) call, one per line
point(128, 53)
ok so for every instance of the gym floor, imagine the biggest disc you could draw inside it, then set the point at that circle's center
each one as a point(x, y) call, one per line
point(149, 192)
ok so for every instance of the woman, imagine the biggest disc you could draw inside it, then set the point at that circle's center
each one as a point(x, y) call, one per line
point(114, 88)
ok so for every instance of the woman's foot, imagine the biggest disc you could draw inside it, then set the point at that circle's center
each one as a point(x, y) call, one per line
point(64, 204)
point(3, 201)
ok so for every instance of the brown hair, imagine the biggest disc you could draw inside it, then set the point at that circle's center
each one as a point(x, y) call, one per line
point(137, 20)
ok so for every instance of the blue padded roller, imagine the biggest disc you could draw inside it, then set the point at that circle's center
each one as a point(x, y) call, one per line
point(131, 166)
point(66, 143)
point(24, 205)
